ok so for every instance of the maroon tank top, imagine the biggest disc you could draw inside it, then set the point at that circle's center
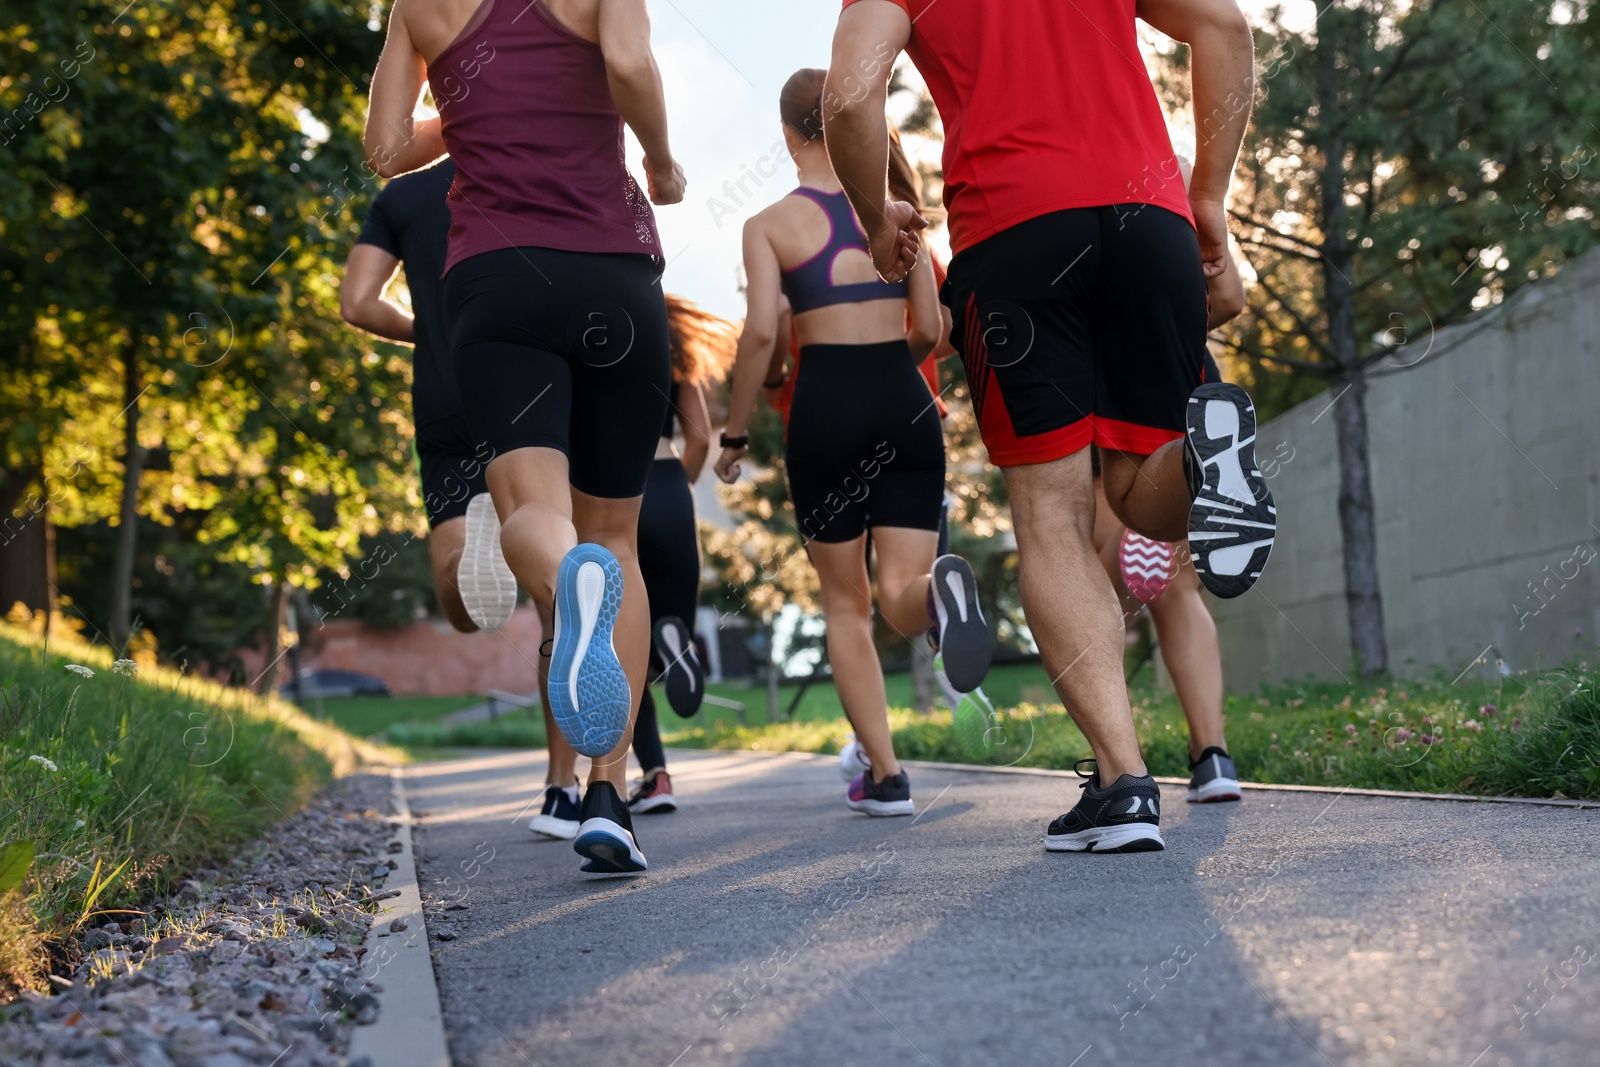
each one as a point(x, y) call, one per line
point(527, 116)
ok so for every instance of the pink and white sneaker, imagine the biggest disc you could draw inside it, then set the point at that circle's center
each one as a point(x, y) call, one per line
point(1148, 566)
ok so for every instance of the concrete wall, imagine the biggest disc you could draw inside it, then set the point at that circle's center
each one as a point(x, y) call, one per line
point(1486, 473)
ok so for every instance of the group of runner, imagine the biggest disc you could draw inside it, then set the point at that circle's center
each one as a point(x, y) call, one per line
point(1077, 298)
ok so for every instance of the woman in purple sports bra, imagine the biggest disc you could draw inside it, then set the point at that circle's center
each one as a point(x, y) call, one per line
point(865, 450)
point(558, 326)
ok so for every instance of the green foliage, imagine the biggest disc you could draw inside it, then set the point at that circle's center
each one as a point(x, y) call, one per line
point(16, 860)
point(123, 781)
point(1422, 178)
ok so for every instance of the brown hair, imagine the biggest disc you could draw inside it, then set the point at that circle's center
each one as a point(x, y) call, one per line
point(800, 102)
point(703, 344)
point(904, 181)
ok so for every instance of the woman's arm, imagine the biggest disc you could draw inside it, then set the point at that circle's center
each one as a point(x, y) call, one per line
point(361, 300)
point(778, 365)
point(696, 420)
point(762, 291)
point(395, 144)
point(636, 90)
point(925, 325)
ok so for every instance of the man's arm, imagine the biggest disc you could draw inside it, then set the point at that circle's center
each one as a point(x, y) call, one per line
point(361, 300)
point(869, 36)
point(636, 90)
point(395, 144)
point(1222, 67)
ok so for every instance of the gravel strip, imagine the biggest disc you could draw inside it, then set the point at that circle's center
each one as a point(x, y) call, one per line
point(258, 964)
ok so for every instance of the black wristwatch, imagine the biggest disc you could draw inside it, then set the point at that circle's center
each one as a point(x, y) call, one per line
point(742, 441)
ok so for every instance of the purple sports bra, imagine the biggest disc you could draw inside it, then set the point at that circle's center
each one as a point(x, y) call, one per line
point(810, 285)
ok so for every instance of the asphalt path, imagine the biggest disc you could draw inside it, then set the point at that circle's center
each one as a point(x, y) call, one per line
point(777, 927)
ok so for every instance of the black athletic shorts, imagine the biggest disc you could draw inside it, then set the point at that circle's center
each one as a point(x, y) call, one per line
point(865, 447)
point(564, 350)
point(1080, 327)
point(452, 467)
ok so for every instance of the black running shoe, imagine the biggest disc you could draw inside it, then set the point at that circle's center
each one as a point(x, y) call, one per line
point(560, 815)
point(960, 632)
point(892, 796)
point(1232, 521)
point(1124, 818)
point(605, 837)
point(1212, 777)
point(683, 676)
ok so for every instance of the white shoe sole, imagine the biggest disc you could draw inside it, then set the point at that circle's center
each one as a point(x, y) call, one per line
point(656, 803)
point(608, 848)
point(1131, 837)
point(550, 826)
point(883, 808)
point(1215, 790)
point(487, 586)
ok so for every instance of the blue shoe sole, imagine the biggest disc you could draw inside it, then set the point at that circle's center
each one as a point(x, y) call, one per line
point(589, 695)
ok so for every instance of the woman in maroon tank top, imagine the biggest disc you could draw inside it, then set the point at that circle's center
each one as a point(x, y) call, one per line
point(558, 329)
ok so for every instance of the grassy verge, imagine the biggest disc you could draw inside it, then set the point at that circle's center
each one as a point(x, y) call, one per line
point(1528, 736)
point(114, 781)
point(365, 716)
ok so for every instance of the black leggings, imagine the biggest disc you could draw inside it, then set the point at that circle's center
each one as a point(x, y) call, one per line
point(564, 350)
point(669, 557)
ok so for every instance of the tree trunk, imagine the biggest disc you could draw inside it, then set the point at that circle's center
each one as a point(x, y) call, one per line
point(923, 685)
point(1357, 526)
point(121, 622)
point(27, 544)
point(274, 645)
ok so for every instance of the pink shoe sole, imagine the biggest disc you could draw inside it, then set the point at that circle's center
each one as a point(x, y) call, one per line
point(1148, 567)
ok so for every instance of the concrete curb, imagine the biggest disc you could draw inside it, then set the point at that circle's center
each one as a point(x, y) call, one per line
point(410, 1027)
point(979, 768)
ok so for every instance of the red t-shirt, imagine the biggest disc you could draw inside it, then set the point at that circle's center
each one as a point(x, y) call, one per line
point(1047, 105)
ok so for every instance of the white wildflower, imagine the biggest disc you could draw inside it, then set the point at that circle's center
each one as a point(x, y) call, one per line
point(79, 824)
point(78, 668)
point(124, 666)
point(41, 761)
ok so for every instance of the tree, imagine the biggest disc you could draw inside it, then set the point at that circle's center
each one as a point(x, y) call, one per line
point(1398, 179)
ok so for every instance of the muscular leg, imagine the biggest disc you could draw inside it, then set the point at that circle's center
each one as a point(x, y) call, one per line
point(445, 542)
point(857, 674)
point(904, 559)
point(1188, 638)
point(1185, 632)
point(1070, 607)
point(542, 518)
point(1149, 493)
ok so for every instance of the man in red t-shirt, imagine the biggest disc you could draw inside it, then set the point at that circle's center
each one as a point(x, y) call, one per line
point(1078, 296)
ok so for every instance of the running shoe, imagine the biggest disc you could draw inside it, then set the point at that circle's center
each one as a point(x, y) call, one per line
point(1124, 818)
point(683, 676)
point(960, 632)
point(559, 816)
point(1148, 566)
point(487, 586)
point(972, 715)
point(892, 796)
point(605, 837)
point(1213, 778)
point(654, 796)
point(853, 760)
point(589, 695)
point(1232, 522)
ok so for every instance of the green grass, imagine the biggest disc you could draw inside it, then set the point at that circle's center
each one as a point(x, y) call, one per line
point(1528, 736)
point(366, 716)
point(114, 784)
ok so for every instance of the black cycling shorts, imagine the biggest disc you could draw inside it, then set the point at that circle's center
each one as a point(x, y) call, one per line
point(564, 350)
point(452, 467)
point(865, 447)
point(1085, 326)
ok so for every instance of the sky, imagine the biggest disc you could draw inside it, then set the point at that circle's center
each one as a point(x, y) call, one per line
point(722, 65)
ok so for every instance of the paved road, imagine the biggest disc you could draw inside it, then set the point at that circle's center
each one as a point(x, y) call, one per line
point(776, 927)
